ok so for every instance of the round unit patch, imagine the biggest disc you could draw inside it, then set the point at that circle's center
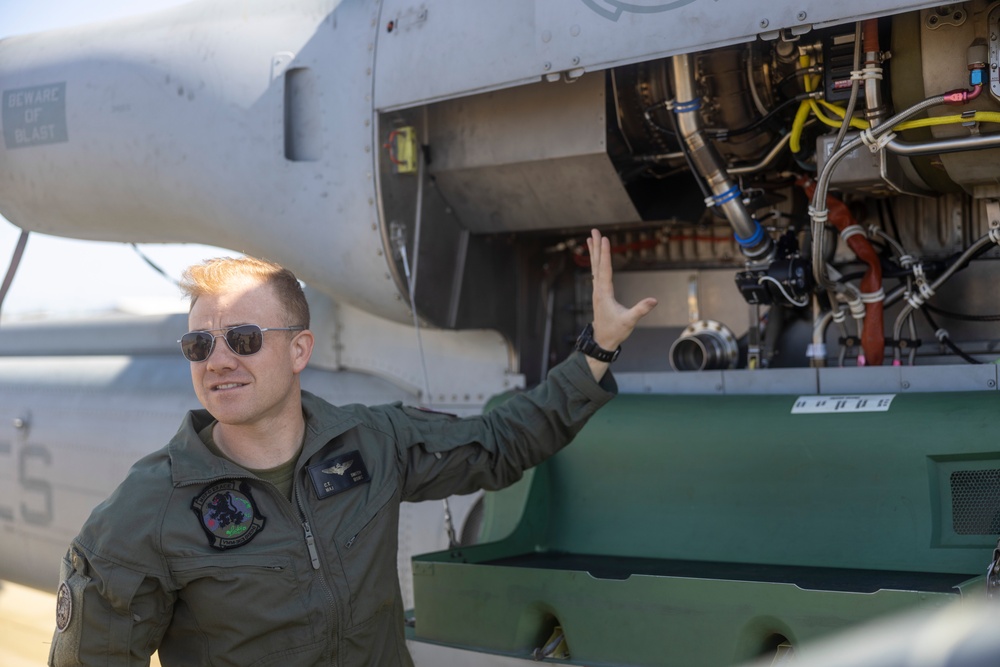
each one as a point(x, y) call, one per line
point(64, 607)
point(228, 514)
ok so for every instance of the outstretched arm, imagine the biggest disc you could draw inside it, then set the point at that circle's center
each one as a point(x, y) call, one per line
point(613, 322)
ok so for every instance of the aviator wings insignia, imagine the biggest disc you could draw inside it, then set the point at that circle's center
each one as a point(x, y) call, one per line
point(339, 469)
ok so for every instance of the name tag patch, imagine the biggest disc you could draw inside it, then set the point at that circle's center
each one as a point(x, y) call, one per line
point(338, 474)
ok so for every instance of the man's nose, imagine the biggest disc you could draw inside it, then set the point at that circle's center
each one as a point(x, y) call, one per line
point(221, 355)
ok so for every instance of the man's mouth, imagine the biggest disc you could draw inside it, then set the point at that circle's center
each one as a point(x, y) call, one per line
point(227, 385)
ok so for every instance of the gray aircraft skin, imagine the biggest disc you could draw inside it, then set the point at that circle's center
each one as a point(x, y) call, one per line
point(430, 170)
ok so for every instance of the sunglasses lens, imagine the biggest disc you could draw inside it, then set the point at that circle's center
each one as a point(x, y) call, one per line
point(245, 340)
point(197, 345)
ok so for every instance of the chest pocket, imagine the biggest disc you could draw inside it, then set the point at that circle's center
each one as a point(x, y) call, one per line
point(367, 546)
point(250, 606)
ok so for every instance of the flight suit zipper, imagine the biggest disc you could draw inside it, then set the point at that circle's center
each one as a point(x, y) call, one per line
point(316, 564)
point(311, 545)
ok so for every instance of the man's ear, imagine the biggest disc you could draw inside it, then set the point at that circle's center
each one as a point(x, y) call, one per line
point(302, 348)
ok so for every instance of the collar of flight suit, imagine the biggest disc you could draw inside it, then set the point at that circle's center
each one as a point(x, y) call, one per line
point(192, 463)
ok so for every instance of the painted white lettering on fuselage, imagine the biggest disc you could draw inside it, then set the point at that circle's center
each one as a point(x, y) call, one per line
point(35, 134)
point(35, 116)
point(25, 98)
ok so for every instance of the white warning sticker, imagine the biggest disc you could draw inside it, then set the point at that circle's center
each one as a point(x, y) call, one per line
point(811, 405)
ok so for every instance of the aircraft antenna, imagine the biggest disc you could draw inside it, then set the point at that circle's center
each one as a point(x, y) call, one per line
point(15, 260)
point(156, 267)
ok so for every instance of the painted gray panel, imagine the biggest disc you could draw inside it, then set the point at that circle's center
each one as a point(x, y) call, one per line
point(964, 377)
point(809, 381)
point(474, 47)
point(777, 381)
point(880, 380)
point(787, 381)
point(706, 382)
point(464, 47)
point(895, 379)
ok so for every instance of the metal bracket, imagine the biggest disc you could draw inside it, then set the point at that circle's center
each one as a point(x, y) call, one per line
point(947, 15)
point(280, 62)
point(993, 212)
point(694, 313)
point(754, 351)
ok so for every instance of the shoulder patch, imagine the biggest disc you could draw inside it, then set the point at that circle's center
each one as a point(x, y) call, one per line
point(64, 607)
point(338, 474)
point(227, 513)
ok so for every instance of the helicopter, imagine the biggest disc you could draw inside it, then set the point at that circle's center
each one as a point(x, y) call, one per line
point(803, 440)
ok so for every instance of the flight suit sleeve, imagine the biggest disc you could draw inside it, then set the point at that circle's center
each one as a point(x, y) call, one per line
point(444, 455)
point(106, 613)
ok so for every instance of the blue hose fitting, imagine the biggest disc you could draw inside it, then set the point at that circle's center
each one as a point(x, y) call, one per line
point(754, 239)
point(685, 107)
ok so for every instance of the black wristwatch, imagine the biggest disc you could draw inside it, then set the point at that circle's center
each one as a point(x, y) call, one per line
point(586, 344)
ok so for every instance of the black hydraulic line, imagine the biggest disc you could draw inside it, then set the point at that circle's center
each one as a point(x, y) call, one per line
point(885, 209)
point(647, 114)
point(953, 266)
point(15, 260)
point(962, 316)
point(971, 258)
point(944, 338)
point(723, 134)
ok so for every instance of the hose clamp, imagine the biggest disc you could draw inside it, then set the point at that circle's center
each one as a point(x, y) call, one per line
point(873, 297)
point(727, 196)
point(819, 215)
point(852, 230)
point(754, 239)
point(866, 74)
point(875, 144)
point(686, 107)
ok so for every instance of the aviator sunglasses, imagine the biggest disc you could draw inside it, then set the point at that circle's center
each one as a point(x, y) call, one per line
point(244, 340)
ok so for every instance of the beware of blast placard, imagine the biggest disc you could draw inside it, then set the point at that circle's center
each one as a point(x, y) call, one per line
point(34, 116)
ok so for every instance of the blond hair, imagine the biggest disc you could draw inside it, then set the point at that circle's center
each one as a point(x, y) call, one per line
point(214, 276)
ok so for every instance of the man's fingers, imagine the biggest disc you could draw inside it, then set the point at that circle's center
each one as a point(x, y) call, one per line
point(642, 308)
point(600, 254)
point(613, 322)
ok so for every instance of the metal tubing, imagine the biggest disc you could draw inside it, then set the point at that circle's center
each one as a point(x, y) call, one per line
point(956, 145)
point(709, 163)
point(768, 159)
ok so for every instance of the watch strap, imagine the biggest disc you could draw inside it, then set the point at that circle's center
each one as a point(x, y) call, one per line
point(585, 343)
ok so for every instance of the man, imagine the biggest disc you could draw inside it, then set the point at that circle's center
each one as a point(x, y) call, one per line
point(265, 532)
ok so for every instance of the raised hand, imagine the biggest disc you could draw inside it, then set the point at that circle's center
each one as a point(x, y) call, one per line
point(613, 322)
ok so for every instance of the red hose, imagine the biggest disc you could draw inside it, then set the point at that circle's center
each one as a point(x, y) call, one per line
point(869, 36)
point(872, 336)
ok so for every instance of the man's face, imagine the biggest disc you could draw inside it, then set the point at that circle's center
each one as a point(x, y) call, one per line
point(248, 390)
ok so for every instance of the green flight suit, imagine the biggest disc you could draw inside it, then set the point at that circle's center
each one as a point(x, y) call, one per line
point(196, 557)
